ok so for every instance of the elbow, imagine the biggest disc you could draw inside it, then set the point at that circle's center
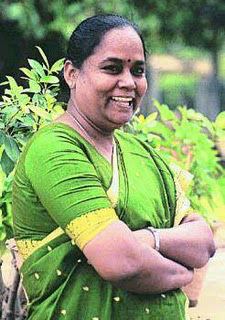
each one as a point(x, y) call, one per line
point(124, 269)
point(211, 250)
point(123, 264)
point(210, 247)
point(200, 262)
point(206, 254)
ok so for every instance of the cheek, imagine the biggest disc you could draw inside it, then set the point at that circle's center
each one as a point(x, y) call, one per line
point(142, 88)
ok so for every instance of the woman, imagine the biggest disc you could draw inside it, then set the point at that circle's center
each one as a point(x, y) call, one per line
point(94, 208)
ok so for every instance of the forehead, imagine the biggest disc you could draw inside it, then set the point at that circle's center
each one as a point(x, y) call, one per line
point(123, 43)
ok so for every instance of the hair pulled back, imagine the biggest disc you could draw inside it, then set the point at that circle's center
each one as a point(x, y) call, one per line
point(87, 36)
point(89, 33)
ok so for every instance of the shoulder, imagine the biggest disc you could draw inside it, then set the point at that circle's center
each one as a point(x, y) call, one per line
point(51, 137)
point(53, 131)
point(131, 143)
point(54, 141)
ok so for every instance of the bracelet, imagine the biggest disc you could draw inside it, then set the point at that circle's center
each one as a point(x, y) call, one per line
point(155, 234)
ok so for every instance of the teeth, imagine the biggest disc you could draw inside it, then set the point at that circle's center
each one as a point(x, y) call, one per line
point(122, 99)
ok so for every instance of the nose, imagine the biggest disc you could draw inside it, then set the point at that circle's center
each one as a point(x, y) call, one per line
point(127, 81)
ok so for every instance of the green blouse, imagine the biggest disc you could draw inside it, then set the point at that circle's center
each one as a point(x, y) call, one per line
point(60, 201)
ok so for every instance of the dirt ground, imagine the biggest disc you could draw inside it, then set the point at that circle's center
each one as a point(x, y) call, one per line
point(211, 305)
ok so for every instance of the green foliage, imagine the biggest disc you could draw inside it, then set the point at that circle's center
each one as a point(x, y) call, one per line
point(199, 23)
point(23, 110)
point(187, 139)
point(37, 19)
point(222, 65)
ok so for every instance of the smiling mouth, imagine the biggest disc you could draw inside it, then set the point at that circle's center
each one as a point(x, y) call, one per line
point(124, 101)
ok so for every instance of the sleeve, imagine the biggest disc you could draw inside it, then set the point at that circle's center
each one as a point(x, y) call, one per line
point(182, 179)
point(66, 183)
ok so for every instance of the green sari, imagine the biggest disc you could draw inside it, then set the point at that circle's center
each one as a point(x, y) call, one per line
point(60, 202)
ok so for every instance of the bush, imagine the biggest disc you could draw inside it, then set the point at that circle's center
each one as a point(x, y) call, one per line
point(23, 111)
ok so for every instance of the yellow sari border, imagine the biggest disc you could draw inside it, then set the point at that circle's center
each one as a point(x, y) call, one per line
point(81, 230)
point(182, 181)
point(86, 227)
point(26, 247)
point(113, 191)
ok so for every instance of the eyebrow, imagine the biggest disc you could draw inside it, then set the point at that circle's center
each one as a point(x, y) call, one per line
point(117, 60)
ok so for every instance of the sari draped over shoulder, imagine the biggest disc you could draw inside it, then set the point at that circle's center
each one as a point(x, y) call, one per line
point(64, 194)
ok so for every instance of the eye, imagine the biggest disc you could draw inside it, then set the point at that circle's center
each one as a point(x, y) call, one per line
point(113, 68)
point(138, 71)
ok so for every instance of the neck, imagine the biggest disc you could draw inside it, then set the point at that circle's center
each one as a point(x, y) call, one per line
point(100, 139)
point(94, 131)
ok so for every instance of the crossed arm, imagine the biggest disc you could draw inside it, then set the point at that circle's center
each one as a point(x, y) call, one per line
point(128, 259)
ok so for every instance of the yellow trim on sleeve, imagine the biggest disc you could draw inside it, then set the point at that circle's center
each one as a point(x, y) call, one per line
point(81, 229)
point(86, 227)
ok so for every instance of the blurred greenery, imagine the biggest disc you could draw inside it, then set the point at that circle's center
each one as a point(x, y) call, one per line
point(199, 23)
point(37, 18)
point(177, 87)
point(222, 65)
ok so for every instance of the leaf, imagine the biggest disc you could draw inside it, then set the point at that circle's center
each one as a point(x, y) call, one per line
point(12, 82)
point(37, 67)
point(11, 148)
point(4, 83)
point(28, 121)
point(2, 233)
point(49, 79)
point(40, 112)
point(34, 86)
point(152, 116)
point(193, 115)
point(43, 56)
point(57, 66)
point(24, 99)
point(220, 120)
point(30, 73)
point(15, 89)
point(6, 163)
point(164, 111)
point(2, 137)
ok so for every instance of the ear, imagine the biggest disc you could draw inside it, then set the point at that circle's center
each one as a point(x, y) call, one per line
point(70, 74)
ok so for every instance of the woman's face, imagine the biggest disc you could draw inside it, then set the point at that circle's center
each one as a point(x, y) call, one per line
point(111, 82)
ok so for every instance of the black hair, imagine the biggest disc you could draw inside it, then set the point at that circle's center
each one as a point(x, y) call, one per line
point(87, 36)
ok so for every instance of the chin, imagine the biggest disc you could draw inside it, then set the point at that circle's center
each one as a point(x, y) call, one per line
point(119, 124)
point(123, 118)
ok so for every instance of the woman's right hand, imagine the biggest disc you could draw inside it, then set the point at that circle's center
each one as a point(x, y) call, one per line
point(190, 243)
